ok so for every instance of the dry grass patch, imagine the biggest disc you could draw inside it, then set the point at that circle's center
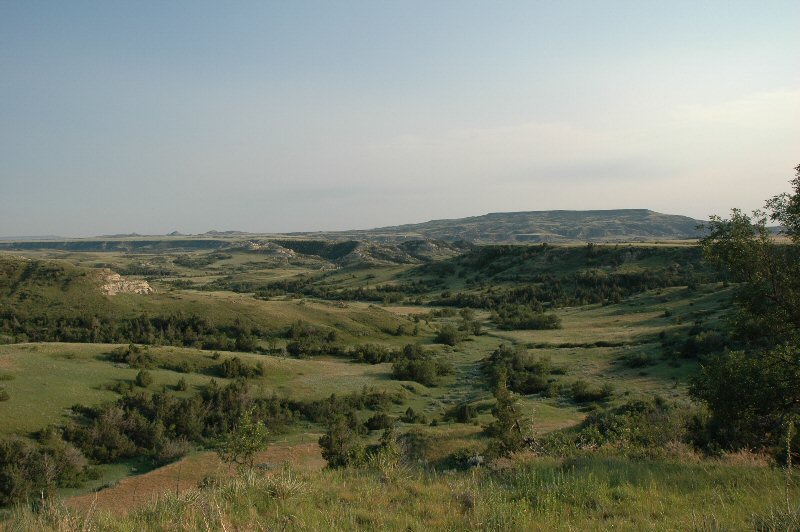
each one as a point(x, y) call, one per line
point(186, 474)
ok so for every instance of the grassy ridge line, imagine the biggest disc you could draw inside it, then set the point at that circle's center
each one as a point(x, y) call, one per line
point(538, 226)
point(530, 226)
point(56, 289)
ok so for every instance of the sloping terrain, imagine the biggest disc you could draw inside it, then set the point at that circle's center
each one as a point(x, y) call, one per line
point(431, 238)
point(629, 225)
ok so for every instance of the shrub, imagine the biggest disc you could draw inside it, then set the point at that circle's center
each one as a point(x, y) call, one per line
point(133, 355)
point(411, 416)
point(506, 430)
point(171, 450)
point(380, 421)
point(143, 378)
point(341, 444)
point(416, 364)
point(31, 470)
point(371, 353)
point(233, 368)
point(525, 374)
point(448, 335)
point(462, 413)
point(637, 360)
point(583, 392)
point(510, 317)
point(636, 428)
point(240, 445)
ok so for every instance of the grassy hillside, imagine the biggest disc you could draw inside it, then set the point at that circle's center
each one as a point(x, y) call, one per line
point(54, 300)
point(304, 336)
point(622, 225)
point(583, 494)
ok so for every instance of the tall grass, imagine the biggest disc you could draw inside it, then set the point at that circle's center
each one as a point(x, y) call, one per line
point(590, 492)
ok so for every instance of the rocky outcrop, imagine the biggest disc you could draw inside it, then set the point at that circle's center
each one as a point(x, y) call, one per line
point(112, 283)
point(269, 248)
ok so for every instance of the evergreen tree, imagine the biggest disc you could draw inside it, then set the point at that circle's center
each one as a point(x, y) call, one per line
point(506, 430)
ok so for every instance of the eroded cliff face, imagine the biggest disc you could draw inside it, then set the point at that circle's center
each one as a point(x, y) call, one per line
point(112, 283)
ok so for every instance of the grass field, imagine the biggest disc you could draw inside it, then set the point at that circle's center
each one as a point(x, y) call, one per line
point(531, 494)
point(44, 380)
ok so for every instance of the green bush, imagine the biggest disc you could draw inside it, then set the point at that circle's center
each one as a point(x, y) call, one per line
point(525, 374)
point(416, 364)
point(143, 378)
point(341, 444)
point(448, 335)
point(233, 368)
point(380, 421)
point(462, 413)
point(583, 392)
point(411, 416)
point(512, 317)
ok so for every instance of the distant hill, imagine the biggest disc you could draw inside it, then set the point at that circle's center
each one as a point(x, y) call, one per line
point(27, 238)
point(406, 243)
point(622, 225)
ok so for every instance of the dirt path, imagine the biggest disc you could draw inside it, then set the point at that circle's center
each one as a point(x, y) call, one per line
point(180, 476)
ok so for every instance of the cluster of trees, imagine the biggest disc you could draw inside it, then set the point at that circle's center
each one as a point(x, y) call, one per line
point(235, 368)
point(179, 329)
point(574, 289)
point(324, 411)
point(372, 353)
point(638, 428)
point(309, 286)
point(145, 270)
point(307, 340)
point(141, 357)
point(414, 363)
point(200, 261)
point(37, 467)
point(753, 394)
point(526, 374)
point(514, 317)
point(163, 427)
point(522, 372)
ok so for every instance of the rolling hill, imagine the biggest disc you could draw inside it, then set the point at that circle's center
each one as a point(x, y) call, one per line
point(628, 225)
point(621, 225)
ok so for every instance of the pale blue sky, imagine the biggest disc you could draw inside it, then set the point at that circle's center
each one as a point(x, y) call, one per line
point(288, 116)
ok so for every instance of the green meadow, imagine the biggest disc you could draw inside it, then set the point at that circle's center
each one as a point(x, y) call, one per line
point(630, 320)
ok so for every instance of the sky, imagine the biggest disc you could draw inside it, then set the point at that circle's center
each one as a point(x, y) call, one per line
point(150, 117)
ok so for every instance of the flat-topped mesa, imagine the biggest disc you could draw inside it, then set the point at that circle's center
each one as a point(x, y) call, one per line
point(113, 284)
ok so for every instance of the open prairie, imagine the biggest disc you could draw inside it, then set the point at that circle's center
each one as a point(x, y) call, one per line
point(413, 348)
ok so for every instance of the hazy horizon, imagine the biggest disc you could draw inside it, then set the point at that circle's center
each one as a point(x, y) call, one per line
point(315, 116)
point(351, 229)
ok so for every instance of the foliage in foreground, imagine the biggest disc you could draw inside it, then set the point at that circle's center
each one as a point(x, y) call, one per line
point(754, 394)
point(534, 494)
